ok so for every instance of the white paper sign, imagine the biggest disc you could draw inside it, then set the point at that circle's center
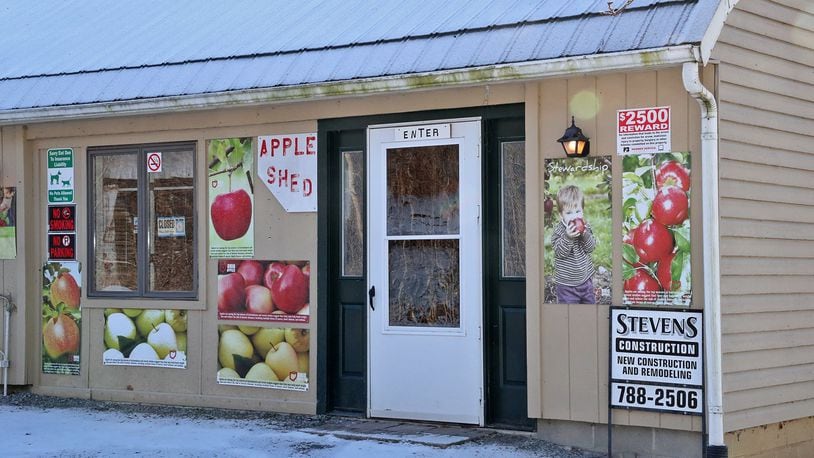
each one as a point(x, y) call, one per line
point(643, 131)
point(287, 164)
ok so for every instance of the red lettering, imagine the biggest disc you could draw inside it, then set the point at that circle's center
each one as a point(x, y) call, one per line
point(297, 151)
point(286, 144)
point(55, 213)
point(307, 187)
point(270, 172)
point(294, 181)
point(282, 176)
point(263, 148)
point(275, 143)
point(310, 148)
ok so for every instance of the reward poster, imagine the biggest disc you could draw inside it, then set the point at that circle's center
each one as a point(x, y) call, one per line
point(254, 290)
point(656, 229)
point(231, 198)
point(263, 357)
point(139, 337)
point(61, 317)
point(578, 222)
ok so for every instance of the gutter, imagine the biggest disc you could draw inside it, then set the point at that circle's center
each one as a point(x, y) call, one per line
point(712, 274)
point(516, 72)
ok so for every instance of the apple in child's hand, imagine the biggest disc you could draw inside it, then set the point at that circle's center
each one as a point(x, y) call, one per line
point(578, 224)
point(231, 293)
point(60, 336)
point(231, 214)
point(290, 291)
point(64, 289)
point(258, 300)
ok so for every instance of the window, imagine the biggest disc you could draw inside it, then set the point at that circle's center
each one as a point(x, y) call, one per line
point(143, 224)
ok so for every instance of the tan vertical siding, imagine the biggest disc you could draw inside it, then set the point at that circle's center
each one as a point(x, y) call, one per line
point(766, 95)
point(574, 338)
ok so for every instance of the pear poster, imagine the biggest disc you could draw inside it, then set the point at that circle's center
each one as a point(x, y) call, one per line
point(144, 337)
point(8, 224)
point(61, 317)
point(263, 357)
point(231, 198)
point(578, 230)
point(656, 229)
point(252, 290)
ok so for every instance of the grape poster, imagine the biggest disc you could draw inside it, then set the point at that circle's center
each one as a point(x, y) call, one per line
point(252, 290)
point(263, 357)
point(231, 198)
point(144, 337)
point(61, 317)
point(656, 229)
point(578, 228)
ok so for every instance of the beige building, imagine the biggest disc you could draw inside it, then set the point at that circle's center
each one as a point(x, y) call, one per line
point(389, 174)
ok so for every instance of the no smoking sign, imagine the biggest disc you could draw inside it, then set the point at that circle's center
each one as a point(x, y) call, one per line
point(154, 162)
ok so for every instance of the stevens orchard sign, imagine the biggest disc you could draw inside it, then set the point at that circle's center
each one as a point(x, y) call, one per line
point(287, 164)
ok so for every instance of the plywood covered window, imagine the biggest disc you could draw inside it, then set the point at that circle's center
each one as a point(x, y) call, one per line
point(143, 222)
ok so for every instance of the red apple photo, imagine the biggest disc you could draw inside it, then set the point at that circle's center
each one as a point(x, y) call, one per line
point(258, 300)
point(671, 206)
point(273, 272)
point(578, 224)
point(231, 214)
point(643, 284)
point(231, 293)
point(672, 173)
point(652, 241)
point(252, 272)
point(290, 290)
point(65, 290)
point(664, 273)
point(60, 336)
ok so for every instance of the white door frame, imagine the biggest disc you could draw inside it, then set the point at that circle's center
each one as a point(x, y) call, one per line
point(467, 340)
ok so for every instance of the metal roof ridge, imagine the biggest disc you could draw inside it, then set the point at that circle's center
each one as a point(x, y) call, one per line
point(518, 24)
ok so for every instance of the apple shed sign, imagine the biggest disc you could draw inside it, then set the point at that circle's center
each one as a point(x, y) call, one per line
point(287, 164)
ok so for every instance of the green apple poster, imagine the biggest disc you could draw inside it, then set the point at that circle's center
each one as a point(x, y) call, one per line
point(271, 291)
point(8, 223)
point(578, 230)
point(231, 198)
point(61, 317)
point(264, 357)
point(656, 229)
point(145, 337)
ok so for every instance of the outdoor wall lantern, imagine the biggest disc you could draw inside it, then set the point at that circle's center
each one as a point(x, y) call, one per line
point(574, 142)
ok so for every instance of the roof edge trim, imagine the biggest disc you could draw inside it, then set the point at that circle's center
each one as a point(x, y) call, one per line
point(716, 25)
point(524, 71)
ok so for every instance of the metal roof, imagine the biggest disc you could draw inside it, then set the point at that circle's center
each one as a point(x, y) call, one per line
point(58, 53)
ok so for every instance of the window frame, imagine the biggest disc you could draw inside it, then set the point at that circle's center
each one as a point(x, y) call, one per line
point(142, 240)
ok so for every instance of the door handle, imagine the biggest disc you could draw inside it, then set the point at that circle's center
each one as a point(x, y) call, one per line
point(371, 294)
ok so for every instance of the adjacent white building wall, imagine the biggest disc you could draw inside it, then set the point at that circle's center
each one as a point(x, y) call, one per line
point(766, 100)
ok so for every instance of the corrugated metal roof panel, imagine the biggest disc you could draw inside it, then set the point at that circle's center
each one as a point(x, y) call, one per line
point(73, 52)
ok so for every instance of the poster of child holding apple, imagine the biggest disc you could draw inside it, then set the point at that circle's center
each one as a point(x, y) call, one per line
point(656, 229)
point(578, 231)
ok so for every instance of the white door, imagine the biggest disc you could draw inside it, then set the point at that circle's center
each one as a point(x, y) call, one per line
point(424, 261)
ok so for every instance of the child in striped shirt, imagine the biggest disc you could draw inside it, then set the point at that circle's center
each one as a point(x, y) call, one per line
point(573, 241)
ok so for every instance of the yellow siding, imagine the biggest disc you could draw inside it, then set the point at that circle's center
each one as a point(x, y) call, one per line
point(766, 95)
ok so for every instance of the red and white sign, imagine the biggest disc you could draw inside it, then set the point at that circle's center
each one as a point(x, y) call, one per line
point(154, 163)
point(287, 164)
point(643, 131)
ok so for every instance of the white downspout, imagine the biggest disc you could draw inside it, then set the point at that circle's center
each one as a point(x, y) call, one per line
point(712, 271)
point(4, 363)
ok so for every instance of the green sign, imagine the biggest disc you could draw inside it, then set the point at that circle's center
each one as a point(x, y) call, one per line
point(60, 175)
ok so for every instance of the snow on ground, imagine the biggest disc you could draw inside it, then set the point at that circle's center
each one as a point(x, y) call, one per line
point(37, 432)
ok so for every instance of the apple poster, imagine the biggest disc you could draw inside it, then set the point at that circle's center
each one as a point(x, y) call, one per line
point(578, 230)
point(263, 357)
point(656, 229)
point(61, 317)
point(231, 198)
point(252, 290)
point(8, 229)
point(143, 337)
